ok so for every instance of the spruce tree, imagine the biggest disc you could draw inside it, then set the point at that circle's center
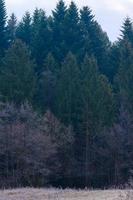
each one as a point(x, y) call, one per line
point(127, 31)
point(17, 75)
point(58, 31)
point(23, 31)
point(95, 42)
point(115, 53)
point(11, 28)
point(87, 26)
point(97, 93)
point(68, 91)
point(97, 108)
point(113, 61)
point(72, 29)
point(59, 12)
point(41, 37)
point(124, 78)
point(3, 38)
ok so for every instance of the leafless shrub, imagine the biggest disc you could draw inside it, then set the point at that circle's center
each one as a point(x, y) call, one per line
point(29, 146)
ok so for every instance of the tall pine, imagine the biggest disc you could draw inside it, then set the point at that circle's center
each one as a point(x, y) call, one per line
point(68, 91)
point(97, 110)
point(87, 26)
point(41, 37)
point(3, 37)
point(17, 75)
point(23, 31)
point(95, 41)
point(127, 31)
point(58, 30)
point(72, 29)
point(124, 77)
point(11, 28)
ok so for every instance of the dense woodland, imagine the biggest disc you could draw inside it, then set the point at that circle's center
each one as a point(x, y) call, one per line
point(66, 93)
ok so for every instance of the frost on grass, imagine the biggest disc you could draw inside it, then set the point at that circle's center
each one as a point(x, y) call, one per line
point(54, 194)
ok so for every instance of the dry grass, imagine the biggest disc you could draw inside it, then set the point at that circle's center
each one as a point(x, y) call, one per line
point(54, 194)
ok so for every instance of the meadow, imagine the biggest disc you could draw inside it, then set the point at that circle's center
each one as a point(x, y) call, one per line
point(59, 194)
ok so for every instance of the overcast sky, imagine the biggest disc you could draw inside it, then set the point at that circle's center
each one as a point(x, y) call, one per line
point(109, 13)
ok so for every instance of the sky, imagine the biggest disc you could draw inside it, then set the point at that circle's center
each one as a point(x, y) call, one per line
point(109, 13)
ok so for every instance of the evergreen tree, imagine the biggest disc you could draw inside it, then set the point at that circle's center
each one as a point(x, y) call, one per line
point(127, 31)
point(45, 98)
point(116, 49)
point(50, 64)
point(11, 28)
point(68, 91)
point(23, 31)
point(94, 41)
point(97, 108)
point(87, 26)
point(72, 29)
point(97, 95)
point(17, 75)
point(124, 78)
point(113, 61)
point(41, 37)
point(3, 38)
point(59, 13)
point(58, 30)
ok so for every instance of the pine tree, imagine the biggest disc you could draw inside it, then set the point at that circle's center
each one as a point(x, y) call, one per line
point(45, 97)
point(59, 12)
point(41, 37)
point(94, 41)
point(124, 77)
point(3, 38)
point(87, 26)
point(126, 36)
point(11, 28)
point(68, 91)
point(113, 61)
point(58, 30)
point(50, 64)
point(23, 31)
point(127, 31)
point(97, 108)
point(97, 93)
point(17, 76)
point(72, 29)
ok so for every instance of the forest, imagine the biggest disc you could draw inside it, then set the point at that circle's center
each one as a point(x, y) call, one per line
point(66, 100)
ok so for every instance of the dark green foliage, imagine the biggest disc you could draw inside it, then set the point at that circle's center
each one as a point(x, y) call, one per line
point(113, 61)
point(23, 31)
point(45, 95)
point(11, 28)
point(17, 74)
point(127, 30)
point(41, 37)
point(97, 95)
point(94, 41)
point(58, 30)
point(67, 91)
point(72, 29)
point(3, 17)
point(86, 25)
point(124, 78)
point(59, 13)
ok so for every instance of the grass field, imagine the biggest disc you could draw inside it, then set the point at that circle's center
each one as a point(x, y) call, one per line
point(54, 194)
